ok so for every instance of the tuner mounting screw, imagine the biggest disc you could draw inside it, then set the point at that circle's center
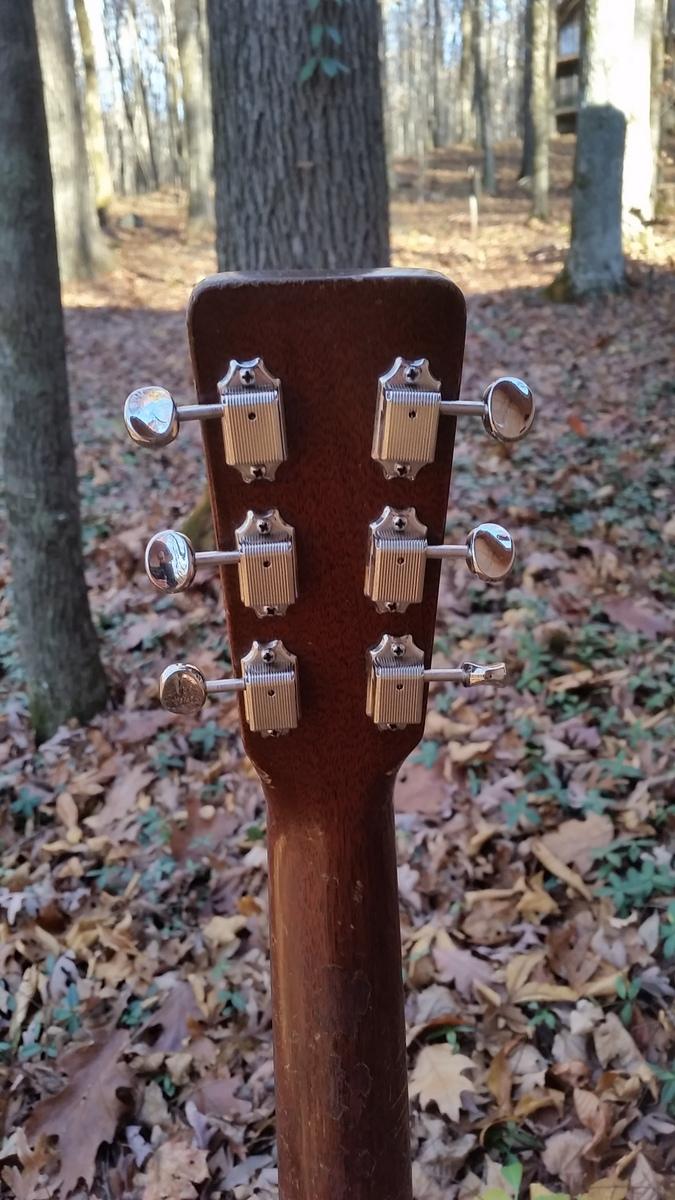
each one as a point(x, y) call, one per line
point(412, 374)
point(391, 606)
point(400, 523)
point(247, 377)
point(397, 650)
point(263, 527)
point(401, 469)
point(258, 472)
point(268, 656)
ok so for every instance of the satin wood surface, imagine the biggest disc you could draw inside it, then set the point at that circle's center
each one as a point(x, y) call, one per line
point(340, 1060)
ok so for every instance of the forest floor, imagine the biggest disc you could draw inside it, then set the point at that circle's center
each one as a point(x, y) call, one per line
point(536, 831)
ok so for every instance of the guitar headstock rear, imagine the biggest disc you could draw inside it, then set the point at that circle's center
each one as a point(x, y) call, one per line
point(329, 406)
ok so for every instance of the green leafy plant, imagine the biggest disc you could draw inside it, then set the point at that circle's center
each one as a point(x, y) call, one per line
point(627, 990)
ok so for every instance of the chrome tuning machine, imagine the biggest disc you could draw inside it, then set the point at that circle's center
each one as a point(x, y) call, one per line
point(250, 408)
point(397, 675)
point(269, 683)
point(398, 552)
point(265, 557)
point(409, 405)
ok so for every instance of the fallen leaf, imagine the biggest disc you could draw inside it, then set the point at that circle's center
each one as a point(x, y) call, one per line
point(86, 1111)
point(574, 842)
point(608, 1188)
point(559, 869)
point(223, 930)
point(460, 967)
point(119, 807)
point(562, 1157)
point(438, 1077)
point(173, 1171)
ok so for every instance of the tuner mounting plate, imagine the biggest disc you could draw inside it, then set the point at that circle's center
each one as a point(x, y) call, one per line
point(253, 419)
point(406, 421)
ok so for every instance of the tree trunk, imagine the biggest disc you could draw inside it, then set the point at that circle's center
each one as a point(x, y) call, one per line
point(540, 100)
point(194, 71)
point(300, 168)
point(58, 645)
point(595, 261)
point(527, 160)
point(467, 125)
point(482, 98)
point(93, 115)
point(436, 115)
point(639, 168)
point(141, 92)
point(657, 101)
point(82, 253)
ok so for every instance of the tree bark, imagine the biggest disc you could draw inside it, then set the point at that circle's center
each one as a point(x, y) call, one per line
point(540, 101)
point(467, 125)
point(639, 168)
point(657, 100)
point(527, 160)
point(482, 97)
point(595, 261)
point(195, 73)
point(436, 121)
point(93, 115)
point(82, 253)
point(58, 645)
point(300, 166)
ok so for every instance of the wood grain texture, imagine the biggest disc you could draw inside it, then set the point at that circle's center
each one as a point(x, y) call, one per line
point(341, 1082)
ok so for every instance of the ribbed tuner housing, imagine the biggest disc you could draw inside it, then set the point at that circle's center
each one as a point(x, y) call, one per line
point(271, 699)
point(395, 692)
point(267, 567)
point(397, 548)
point(253, 421)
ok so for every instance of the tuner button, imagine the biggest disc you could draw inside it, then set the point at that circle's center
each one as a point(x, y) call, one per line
point(151, 416)
point(475, 674)
point(182, 689)
point(490, 552)
point(170, 561)
point(508, 409)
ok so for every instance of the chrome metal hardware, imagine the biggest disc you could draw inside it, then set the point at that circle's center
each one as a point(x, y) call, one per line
point(269, 682)
point(253, 421)
point(398, 552)
point(250, 408)
point(397, 675)
point(409, 405)
point(152, 418)
point(265, 556)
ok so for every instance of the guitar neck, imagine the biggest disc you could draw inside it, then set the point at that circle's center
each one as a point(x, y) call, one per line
point(339, 1037)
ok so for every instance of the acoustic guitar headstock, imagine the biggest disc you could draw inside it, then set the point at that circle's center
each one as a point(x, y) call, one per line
point(328, 407)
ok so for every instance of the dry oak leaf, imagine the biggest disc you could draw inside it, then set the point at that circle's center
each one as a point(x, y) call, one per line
point(574, 842)
point(562, 1157)
point(438, 1076)
point(607, 1188)
point(119, 807)
point(86, 1111)
point(460, 967)
point(174, 1170)
point(553, 864)
point(615, 1047)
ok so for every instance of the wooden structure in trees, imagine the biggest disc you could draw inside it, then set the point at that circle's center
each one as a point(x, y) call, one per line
point(568, 65)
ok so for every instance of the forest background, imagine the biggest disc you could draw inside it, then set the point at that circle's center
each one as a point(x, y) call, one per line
point(526, 150)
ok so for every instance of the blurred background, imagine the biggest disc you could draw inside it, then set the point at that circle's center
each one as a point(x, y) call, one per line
point(525, 149)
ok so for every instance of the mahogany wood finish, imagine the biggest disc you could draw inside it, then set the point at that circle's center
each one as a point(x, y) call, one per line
point(340, 1059)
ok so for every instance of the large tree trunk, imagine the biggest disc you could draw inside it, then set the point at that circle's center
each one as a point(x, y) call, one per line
point(527, 160)
point(56, 636)
point(639, 167)
point(658, 90)
point(540, 101)
point(300, 168)
point(467, 124)
point(195, 74)
point(82, 252)
point(96, 143)
point(482, 97)
point(436, 122)
point(595, 261)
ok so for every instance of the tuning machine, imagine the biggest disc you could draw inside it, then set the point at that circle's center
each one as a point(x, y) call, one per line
point(397, 675)
point(409, 404)
point(265, 557)
point(398, 552)
point(250, 408)
point(269, 683)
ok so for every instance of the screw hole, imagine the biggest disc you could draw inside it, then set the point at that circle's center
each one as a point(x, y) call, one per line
point(400, 560)
point(399, 687)
point(412, 414)
point(270, 692)
point(267, 562)
point(251, 416)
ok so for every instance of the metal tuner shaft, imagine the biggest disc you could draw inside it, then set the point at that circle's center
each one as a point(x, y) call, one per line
point(269, 683)
point(409, 405)
point(397, 675)
point(398, 552)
